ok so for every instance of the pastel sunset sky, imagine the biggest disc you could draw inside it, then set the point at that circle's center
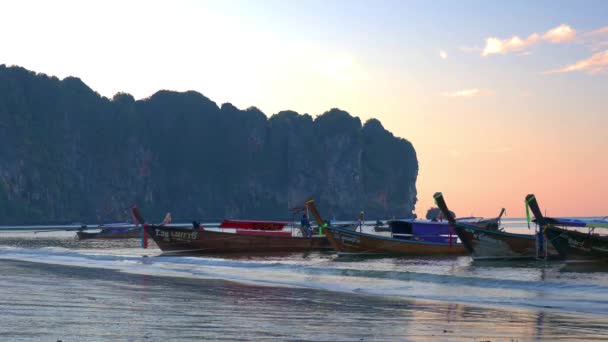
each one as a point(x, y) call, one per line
point(500, 99)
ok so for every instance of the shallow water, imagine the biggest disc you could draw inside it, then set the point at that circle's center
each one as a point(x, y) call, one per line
point(53, 302)
point(55, 286)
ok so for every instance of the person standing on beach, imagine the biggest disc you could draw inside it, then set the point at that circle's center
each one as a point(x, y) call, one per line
point(305, 226)
point(361, 221)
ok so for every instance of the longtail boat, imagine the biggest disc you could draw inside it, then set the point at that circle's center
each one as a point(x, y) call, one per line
point(203, 241)
point(346, 241)
point(484, 244)
point(254, 225)
point(571, 243)
point(111, 233)
point(117, 231)
point(255, 239)
point(435, 228)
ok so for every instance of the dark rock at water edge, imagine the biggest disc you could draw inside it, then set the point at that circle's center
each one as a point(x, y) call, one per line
point(69, 154)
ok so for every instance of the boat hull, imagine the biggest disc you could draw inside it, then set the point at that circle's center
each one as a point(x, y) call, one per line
point(351, 242)
point(184, 240)
point(483, 244)
point(578, 245)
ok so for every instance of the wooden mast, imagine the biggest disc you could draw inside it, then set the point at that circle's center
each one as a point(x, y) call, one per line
point(310, 205)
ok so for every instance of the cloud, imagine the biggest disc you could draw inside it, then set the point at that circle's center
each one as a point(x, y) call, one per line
point(597, 39)
point(443, 54)
point(474, 92)
point(596, 64)
point(560, 34)
point(599, 45)
point(599, 32)
point(501, 46)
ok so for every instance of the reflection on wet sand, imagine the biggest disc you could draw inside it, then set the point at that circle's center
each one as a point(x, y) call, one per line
point(60, 302)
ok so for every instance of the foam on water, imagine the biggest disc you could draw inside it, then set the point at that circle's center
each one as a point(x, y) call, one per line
point(528, 284)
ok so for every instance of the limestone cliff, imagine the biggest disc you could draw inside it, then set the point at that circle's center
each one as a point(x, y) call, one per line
point(69, 154)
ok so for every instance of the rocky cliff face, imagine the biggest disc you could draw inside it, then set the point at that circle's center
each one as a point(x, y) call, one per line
point(68, 154)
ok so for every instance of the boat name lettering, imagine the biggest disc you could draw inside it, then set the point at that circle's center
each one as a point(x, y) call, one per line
point(577, 244)
point(180, 235)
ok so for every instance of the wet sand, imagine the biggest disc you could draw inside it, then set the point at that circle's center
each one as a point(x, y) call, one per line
point(53, 302)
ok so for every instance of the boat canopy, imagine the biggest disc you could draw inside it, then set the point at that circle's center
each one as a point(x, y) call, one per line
point(255, 225)
point(591, 223)
point(422, 231)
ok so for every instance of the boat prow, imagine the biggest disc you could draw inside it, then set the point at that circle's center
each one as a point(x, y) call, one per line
point(572, 244)
point(494, 244)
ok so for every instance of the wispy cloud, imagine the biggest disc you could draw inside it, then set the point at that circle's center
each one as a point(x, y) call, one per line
point(597, 39)
point(443, 54)
point(598, 32)
point(560, 34)
point(599, 45)
point(596, 64)
point(474, 92)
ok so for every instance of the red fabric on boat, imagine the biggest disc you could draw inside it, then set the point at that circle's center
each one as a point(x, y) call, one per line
point(257, 225)
point(265, 233)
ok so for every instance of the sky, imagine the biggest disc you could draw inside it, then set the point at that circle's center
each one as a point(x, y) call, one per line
point(499, 99)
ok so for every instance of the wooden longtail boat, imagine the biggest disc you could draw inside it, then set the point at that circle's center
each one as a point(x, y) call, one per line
point(255, 225)
point(118, 230)
point(436, 228)
point(493, 223)
point(484, 244)
point(346, 241)
point(111, 233)
point(198, 240)
point(572, 244)
point(249, 237)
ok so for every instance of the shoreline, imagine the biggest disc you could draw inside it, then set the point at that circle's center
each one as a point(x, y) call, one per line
point(172, 274)
point(384, 318)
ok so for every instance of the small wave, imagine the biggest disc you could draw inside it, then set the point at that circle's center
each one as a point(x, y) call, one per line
point(321, 272)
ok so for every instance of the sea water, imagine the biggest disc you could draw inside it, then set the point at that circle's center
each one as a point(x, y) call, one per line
point(53, 285)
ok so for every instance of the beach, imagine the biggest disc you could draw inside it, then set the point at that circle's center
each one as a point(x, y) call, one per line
point(68, 303)
point(54, 287)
